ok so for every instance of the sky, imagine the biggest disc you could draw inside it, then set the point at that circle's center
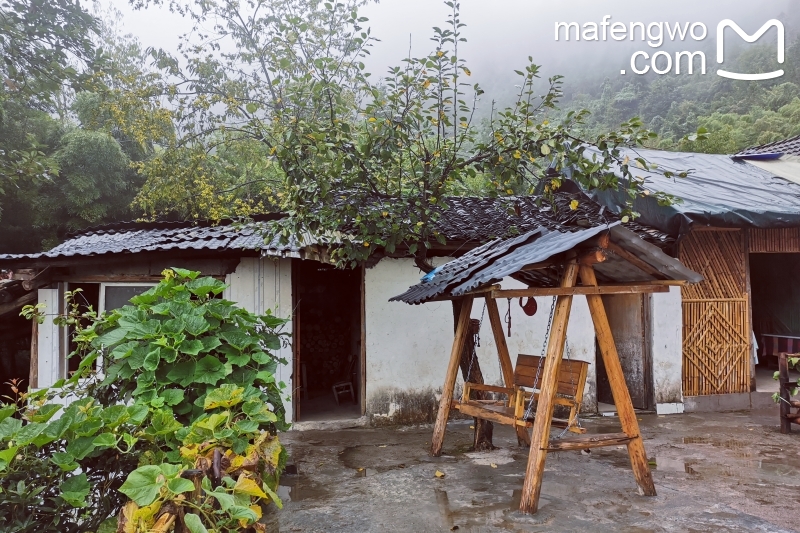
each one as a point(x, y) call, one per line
point(503, 33)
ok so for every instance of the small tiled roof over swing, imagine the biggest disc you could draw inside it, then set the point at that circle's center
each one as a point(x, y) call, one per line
point(536, 258)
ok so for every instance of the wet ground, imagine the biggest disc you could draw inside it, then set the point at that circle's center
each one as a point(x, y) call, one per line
point(721, 472)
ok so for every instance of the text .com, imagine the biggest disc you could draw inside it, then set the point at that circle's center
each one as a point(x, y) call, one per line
point(655, 34)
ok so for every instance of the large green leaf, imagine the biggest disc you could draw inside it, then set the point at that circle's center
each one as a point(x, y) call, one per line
point(6, 456)
point(105, 440)
point(9, 428)
point(80, 447)
point(226, 501)
point(194, 524)
point(64, 461)
point(183, 373)
point(152, 359)
point(210, 370)
point(7, 410)
point(238, 339)
point(172, 396)
point(210, 342)
point(195, 325)
point(203, 286)
point(226, 395)
point(44, 413)
point(143, 485)
point(29, 432)
point(75, 489)
point(179, 485)
point(109, 338)
point(191, 347)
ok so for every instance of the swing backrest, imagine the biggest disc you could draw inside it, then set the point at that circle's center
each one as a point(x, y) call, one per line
point(571, 375)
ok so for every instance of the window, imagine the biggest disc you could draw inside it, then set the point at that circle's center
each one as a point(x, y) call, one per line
point(116, 295)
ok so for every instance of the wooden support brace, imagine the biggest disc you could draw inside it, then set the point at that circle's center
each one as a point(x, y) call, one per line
point(505, 360)
point(462, 328)
point(619, 389)
point(540, 439)
point(621, 288)
point(783, 377)
point(588, 441)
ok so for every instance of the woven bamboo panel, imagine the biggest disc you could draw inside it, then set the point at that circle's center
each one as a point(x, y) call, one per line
point(783, 240)
point(716, 335)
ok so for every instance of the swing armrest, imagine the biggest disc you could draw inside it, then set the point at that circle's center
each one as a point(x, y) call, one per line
point(468, 387)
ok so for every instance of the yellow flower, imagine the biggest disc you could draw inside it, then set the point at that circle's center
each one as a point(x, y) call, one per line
point(366, 244)
point(371, 119)
point(385, 213)
point(573, 205)
point(517, 154)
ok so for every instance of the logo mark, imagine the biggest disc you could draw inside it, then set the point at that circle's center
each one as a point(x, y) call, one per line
point(728, 23)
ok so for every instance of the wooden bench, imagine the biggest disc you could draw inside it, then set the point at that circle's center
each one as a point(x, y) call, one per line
point(511, 412)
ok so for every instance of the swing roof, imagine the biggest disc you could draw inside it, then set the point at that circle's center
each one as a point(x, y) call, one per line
point(537, 257)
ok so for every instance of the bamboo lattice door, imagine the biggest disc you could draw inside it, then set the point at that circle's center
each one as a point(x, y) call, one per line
point(716, 330)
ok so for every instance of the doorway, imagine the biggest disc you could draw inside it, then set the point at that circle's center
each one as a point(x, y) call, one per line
point(327, 341)
point(775, 292)
point(629, 318)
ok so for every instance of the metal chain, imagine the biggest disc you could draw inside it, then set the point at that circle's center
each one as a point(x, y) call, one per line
point(572, 380)
point(476, 342)
point(541, 359)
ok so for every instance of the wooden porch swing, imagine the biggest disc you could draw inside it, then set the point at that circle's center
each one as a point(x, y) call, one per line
point(553, 374)
point(628, 265)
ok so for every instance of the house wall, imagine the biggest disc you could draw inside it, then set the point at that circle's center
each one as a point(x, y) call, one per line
point(408, 346)
point(260, 285)
point(667, 345)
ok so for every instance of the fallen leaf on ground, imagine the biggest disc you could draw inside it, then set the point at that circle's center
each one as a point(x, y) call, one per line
point(453, 528)
point(493, 465)
point(439, 473)
point(472, 427)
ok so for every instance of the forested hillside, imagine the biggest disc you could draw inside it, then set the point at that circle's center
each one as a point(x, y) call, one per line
point(737, 114)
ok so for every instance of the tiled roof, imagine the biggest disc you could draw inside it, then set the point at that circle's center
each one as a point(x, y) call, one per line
point(501, 258)
point(787, 146)
point(466, 220)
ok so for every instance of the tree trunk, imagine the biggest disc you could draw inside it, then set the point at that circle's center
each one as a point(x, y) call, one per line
point(471, 371)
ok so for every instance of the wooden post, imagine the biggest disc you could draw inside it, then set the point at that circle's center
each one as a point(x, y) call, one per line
point(462, 329)
point(505, 359)
point(783, 384)
point(540, 438)
point(33, 377)
point(619, 389)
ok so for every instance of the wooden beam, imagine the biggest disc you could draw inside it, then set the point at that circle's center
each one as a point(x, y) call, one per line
point(534, 473)
point(19, 302)
point(593, 257)
point(619, 389)
point(588, 441)
point(573, 291)
point(477, 292)
point(462, 328)
point(505, 359)
point(642, 265)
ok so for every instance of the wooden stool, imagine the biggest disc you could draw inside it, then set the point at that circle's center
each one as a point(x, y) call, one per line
point(341, 388)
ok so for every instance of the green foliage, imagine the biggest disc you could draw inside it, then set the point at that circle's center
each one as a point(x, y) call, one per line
point(186, 376)
point(367, 161)
point(46, 47)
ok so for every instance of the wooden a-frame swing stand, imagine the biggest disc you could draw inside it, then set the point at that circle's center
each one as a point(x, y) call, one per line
point(540, 442)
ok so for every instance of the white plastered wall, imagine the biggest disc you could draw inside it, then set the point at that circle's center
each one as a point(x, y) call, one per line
point(408, 346)
point(48, 342)
point(262, 284)
point(667, 346)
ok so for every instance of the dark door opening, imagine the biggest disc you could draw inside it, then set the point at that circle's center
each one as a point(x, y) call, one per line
point(630, 326)
point(327, 341)
point(775, 291)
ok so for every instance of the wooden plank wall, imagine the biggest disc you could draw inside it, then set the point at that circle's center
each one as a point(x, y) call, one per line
point(784, 240)
point(716, 314)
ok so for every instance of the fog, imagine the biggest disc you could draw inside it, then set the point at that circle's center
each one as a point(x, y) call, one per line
point(503, 33)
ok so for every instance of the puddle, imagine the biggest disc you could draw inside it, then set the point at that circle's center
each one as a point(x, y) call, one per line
point(297, 488)
point(375, 459)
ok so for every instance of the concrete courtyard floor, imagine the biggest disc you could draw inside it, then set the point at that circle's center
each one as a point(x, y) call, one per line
point(721, 472)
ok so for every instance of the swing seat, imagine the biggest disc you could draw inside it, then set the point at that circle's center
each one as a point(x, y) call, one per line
point(511, 411)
